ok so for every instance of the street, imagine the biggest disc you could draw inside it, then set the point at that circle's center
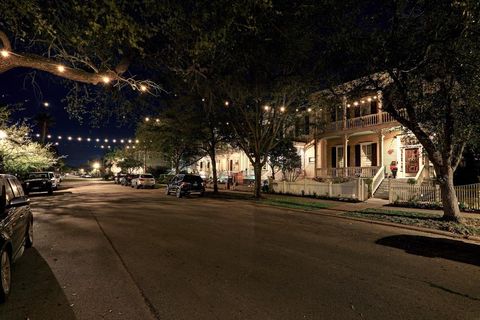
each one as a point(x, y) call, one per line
point(103, 251)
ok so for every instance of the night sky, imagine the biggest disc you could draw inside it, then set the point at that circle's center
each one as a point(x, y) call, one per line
point(15, 87)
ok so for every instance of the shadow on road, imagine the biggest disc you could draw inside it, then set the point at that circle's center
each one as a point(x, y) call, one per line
point(435, 248)
point(44, 194)
point(36, 293)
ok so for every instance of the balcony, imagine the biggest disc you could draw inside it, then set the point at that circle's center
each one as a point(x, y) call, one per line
point(370, 120)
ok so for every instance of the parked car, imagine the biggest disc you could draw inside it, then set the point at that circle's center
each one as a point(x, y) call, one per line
point(186, 184)
point(16, 229)
point(143, 181)
point(86, 175)
point(118, 177)
point(40, 182)
point(127, 180)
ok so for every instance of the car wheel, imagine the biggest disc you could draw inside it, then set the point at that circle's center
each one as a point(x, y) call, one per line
point(50, 191)
point(202, 193)
point(29, 235)
point(179, 193)
point(5, 275)
point(167, 191)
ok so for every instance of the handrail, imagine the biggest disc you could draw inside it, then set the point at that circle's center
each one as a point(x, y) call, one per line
point(378, 178)
point(360, 122)
point(419, 176)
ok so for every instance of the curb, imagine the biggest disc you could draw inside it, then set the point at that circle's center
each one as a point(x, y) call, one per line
point(475, 239)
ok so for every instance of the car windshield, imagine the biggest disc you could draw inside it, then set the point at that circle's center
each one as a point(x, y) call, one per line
point(192, 179)
point(147, 176)
point(38, 175)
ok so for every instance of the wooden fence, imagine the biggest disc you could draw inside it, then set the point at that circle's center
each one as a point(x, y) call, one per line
point(468, 195)
point(355, 189)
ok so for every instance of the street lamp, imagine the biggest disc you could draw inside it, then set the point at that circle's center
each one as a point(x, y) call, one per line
point(96, 165)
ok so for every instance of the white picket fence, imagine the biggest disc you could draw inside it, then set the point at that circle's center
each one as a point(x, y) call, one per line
point(355, 189)
point(468, 195)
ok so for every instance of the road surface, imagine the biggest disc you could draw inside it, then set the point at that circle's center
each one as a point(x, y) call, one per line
point(104, 251)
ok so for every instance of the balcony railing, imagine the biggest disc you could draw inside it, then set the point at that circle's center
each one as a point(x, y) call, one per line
point(354, 172)
point(360, 122)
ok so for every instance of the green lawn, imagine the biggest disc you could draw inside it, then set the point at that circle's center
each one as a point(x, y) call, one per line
point(471, 226)
point(296, 204)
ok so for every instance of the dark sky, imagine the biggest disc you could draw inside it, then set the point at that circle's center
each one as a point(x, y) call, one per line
point(15, 87)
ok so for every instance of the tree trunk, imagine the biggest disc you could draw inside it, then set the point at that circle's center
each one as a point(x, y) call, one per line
point(44, 132)
point(273, 171)
point(451, 210)
point(257, 168)
point(213, 158)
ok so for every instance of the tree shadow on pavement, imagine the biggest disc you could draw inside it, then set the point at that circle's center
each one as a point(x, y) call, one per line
point(36, 293)
point(55, 193)
point(435, 248)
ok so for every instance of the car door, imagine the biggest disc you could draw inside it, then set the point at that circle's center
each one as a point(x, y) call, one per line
point(11, 219)
point(21, 203)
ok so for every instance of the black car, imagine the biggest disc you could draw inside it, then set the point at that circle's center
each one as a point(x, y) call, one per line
point(127, 179)
point(40, 182)
point(16, 228)
point(186, 184)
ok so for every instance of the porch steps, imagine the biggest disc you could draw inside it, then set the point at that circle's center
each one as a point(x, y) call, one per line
point(382, 190)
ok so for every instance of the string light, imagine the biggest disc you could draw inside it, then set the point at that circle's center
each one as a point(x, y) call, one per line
point(59, 137)
point(143, 88)
point(37, 135)
point(355, 103)
point(282, 109)
point(46, 104)
point(266, 108)
point(97, 140)
point(106, 79)
point(106, 140)
point(129, 141)
point(102, 147)
point(203, 99)
point(147, 119)
point(136, 141)
point(88, 139)
point(4, 53)
point(122, 141)
point(69, 138)
point(79, 138)
point(157, 120)
point(61, 68)
point(309, 109)
point(114, 140)
point(49, 136)
point(227, 103)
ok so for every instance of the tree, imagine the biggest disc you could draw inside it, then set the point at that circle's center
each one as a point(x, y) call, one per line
point(425, 57)
point(177, 135)
point(129, 164)
point(284, 157)
point(44, 121)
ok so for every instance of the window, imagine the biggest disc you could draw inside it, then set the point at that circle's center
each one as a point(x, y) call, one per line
point(208, 165)
point(8, 192)
point(19, 188)
point(201, 165)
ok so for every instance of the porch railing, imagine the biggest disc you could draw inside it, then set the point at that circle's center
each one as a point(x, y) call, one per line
point(354, 172)
point(360, 122)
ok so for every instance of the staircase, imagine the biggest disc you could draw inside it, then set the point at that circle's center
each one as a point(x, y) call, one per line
point(382, 190)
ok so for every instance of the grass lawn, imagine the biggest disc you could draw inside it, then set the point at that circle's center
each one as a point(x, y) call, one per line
point(471, 226)
point(296, 203)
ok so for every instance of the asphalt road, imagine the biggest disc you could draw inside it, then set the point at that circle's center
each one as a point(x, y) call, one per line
point(104, 251)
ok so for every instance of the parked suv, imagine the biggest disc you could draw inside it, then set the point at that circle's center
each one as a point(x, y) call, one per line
point(40, 182)
point(16, 229)
point(186, 184)
point(127, 180)
point(143, 181)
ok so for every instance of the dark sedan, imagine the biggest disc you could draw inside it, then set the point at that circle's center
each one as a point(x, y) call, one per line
point(40, 182)
point(186, 184)
point(16, 228)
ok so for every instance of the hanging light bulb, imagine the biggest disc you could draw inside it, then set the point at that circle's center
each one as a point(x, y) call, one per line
point(114, 140)
point(60, 68)
point(59, 137)
point(143, 88)
point(309, 109)
point(282, 109)
point(355, 103)
point(106, 79)
point(49, 136)
point(69, 138)
point(122, 141)
point(97, 140)
point(88, 139)
point(79, 138)
point(227, 103)
point(147, 119)
point(4, 53)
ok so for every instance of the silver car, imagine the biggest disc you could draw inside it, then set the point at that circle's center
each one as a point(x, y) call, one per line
point(143, 181)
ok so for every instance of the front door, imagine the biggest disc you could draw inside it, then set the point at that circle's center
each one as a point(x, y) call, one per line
point(412, 160)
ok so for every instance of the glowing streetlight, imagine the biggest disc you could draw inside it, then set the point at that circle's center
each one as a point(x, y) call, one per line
point(96, 165)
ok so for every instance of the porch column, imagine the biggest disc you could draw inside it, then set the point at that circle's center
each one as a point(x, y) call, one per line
point(345, 154)
point(380, 150)
point(379, 105)
point(344, 107)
